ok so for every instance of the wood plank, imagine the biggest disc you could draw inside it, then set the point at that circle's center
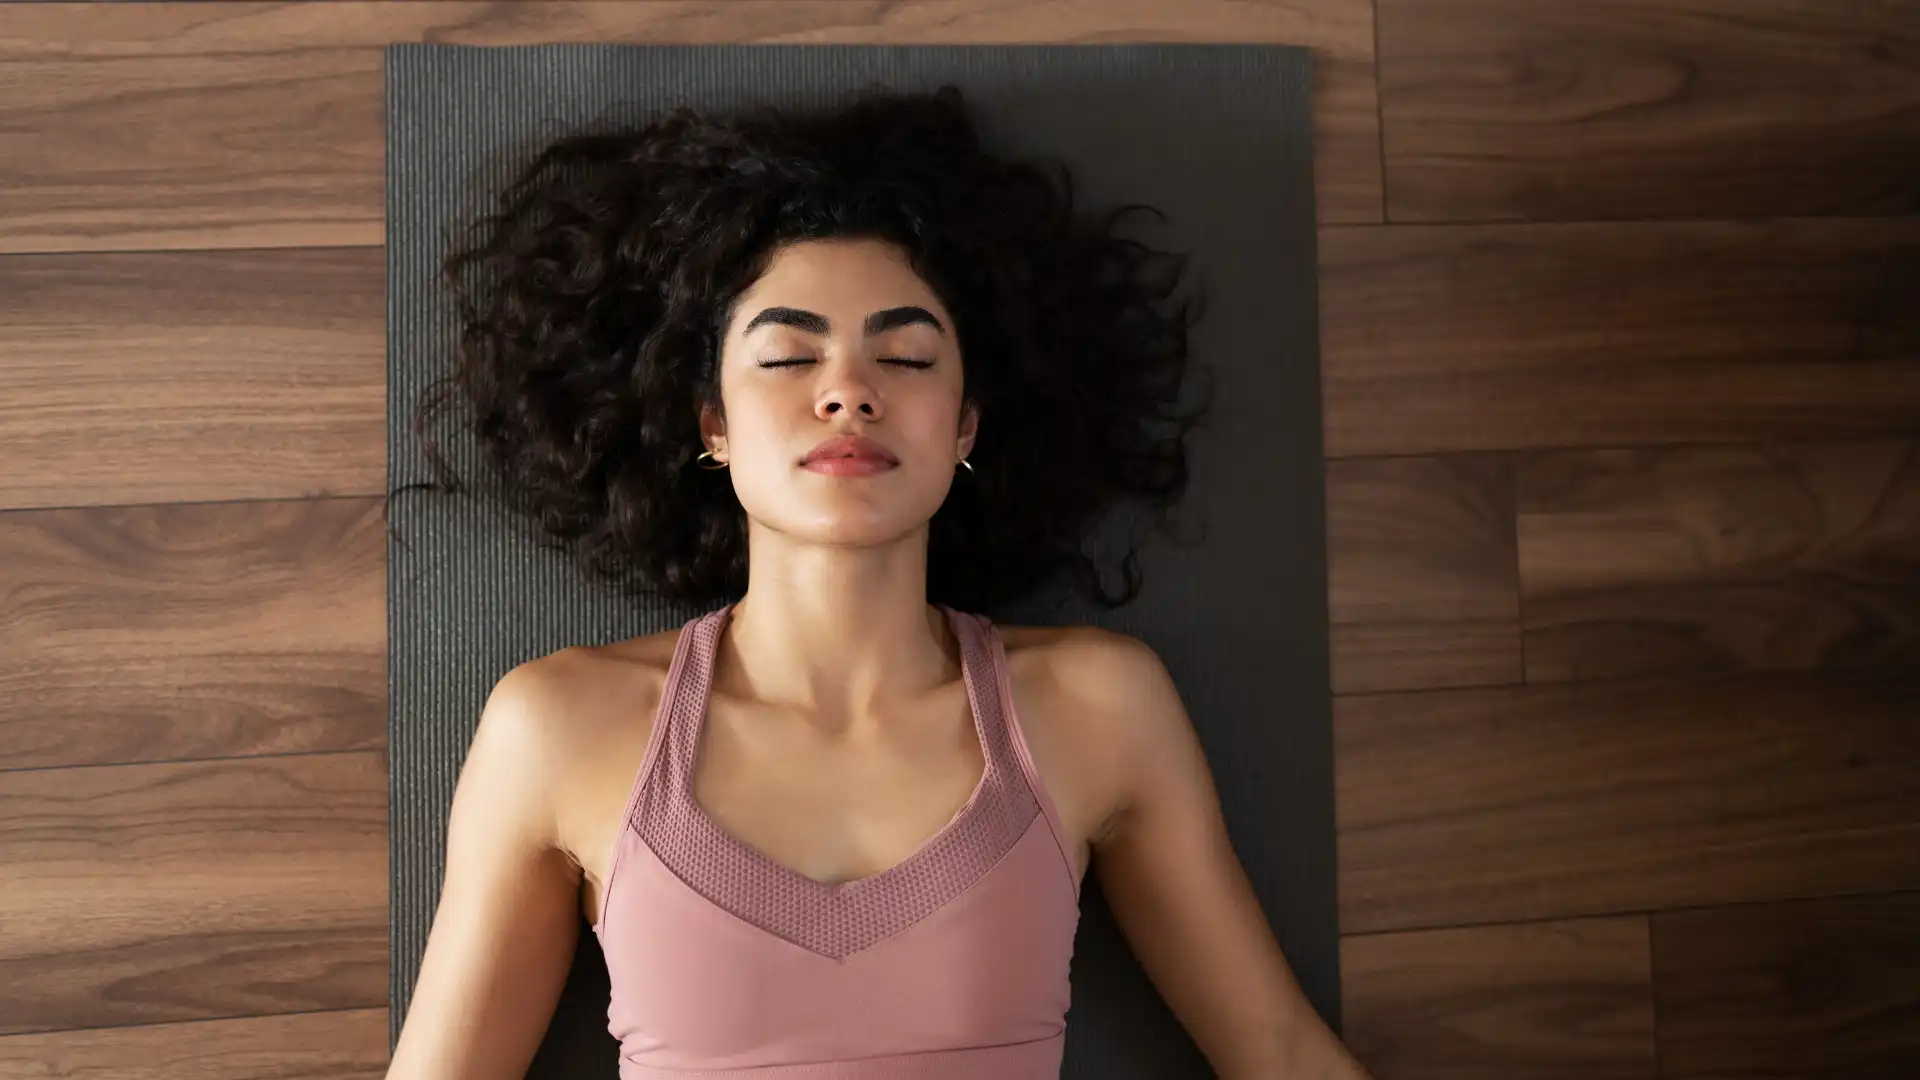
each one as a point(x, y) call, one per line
point(1556, 801)
point(274, 112)
point(184, 376)
point(1516, 109)
point(1793, 991)
point(1420, 564)
point(151, 633)
point(350, 1045)
point(142, 894)
point(1458, 338)
point(265, 146)
point(1562, 1000)
point(1667, 561)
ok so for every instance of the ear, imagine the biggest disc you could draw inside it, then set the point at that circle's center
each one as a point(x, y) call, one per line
point(713, 430)
point(969, 428)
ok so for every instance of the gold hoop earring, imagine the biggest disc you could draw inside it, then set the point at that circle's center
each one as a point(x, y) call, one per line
point(966, 464)
point(708, 454)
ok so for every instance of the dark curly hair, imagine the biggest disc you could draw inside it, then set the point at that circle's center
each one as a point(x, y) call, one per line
point(592, 300)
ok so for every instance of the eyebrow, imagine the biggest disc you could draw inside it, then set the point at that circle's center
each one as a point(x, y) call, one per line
point(877, 323)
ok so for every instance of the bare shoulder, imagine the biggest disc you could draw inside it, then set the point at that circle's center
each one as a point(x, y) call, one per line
point(1078, 643)
point(611, 690)
point(1088, 698)
point(588, 711)
point(1088, 665)
point(572, 695)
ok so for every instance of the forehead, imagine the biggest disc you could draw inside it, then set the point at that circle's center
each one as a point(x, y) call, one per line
point(838, 278)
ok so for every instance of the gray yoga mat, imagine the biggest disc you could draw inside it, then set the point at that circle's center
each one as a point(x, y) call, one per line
point(1218, 137)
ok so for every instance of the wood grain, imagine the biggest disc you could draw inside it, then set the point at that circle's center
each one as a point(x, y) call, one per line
point(1792, 991)
point(1443, 338)
point(1554, 801)
point(151, 633)
point(1676, 560)
point(141, 894)
point(1516, 109)
point(1420, 568)
point(273, 113)
point(1561, 1000)
point(349, 1045)
point(190, 376)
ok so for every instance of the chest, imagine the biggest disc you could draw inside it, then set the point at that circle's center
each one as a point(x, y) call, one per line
point(839, 806)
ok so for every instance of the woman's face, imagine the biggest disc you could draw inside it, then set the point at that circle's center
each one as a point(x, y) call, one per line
point(840, 337)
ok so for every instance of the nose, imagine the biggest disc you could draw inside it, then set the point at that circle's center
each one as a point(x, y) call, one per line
point(850, 392)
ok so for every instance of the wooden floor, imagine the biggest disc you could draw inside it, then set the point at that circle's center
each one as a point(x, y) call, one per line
point(1621, 317)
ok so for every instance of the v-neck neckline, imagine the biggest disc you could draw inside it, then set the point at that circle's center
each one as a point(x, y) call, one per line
point(703, 690)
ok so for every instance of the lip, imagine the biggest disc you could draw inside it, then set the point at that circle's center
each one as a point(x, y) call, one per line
point(849, 466)
point(844, 452)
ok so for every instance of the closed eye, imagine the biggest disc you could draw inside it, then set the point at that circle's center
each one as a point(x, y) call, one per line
point(904, 361)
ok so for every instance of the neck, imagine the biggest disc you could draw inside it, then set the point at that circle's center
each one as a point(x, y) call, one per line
point(837, 633)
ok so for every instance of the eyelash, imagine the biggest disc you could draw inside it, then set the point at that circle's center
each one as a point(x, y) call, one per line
point(906, 361)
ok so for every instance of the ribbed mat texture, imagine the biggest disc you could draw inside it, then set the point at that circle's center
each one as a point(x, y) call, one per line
point(1218, 136)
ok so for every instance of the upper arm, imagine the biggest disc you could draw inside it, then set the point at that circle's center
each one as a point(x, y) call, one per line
point(1169, 872)
point(504, 932)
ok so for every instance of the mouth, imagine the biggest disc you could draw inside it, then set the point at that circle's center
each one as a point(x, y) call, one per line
point(849, 452)
point(849, 466)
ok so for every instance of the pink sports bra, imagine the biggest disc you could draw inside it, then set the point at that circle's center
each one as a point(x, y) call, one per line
point(727, 965)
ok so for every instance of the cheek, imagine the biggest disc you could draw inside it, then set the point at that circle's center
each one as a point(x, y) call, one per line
point(930, 418)
point(756, 417)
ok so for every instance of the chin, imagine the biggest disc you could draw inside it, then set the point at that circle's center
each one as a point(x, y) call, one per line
point(854, 531)
point(850, 526)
